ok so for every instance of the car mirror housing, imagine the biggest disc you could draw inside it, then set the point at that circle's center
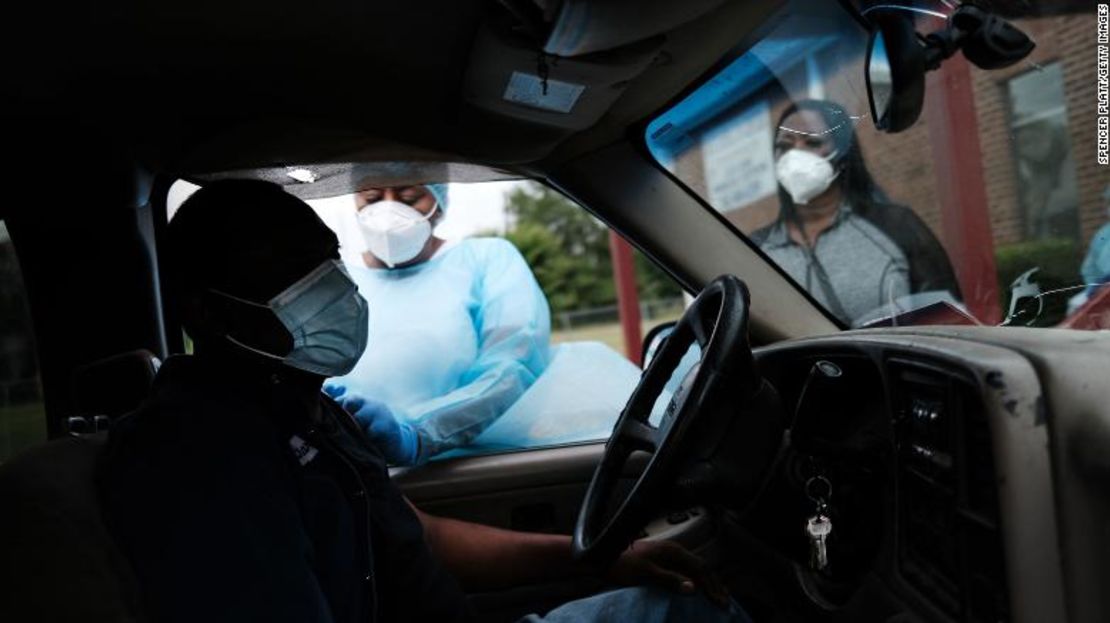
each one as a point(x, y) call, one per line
point(894, 71)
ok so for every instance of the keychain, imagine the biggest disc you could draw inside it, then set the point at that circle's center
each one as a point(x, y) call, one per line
point(819, 526)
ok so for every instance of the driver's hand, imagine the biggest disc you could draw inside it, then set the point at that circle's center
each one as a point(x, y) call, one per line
point(669, 565)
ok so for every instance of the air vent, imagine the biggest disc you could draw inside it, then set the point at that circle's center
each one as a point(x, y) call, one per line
point(949, 544)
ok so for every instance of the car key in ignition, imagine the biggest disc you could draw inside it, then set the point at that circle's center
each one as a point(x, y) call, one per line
point(819, 526)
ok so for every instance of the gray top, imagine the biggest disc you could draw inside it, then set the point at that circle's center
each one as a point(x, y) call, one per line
point(853, 268)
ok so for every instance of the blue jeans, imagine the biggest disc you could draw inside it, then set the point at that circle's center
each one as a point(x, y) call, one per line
point(642, 605)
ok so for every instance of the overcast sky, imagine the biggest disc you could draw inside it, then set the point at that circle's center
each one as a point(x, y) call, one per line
point(476, 207)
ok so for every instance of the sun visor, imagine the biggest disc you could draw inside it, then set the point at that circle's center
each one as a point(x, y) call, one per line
point(332, 180)
point(587, 26)
point(510, 77)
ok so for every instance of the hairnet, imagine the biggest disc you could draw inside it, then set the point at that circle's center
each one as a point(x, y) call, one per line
point(439, 191)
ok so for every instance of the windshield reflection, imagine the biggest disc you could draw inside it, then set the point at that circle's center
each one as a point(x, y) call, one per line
point(987, 211)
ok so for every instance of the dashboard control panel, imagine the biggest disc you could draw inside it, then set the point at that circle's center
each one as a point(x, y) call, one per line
point(948, 546)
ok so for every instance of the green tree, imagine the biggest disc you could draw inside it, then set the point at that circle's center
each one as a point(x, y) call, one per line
point(568, 250)
point(652, 282)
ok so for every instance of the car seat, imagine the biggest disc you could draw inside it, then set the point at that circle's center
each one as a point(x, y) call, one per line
point(108, 388)
point(57, 559)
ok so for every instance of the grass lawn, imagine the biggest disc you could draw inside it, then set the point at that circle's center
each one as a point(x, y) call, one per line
point(609, 334)
point(20, 426)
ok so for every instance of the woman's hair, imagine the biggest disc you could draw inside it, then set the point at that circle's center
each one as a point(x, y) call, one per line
point(859, 188)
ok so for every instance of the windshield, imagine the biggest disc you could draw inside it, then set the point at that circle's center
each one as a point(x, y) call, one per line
point(991, 209)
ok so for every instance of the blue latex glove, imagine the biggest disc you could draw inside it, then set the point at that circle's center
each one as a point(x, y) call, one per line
point(397, 440)
point(335, 390)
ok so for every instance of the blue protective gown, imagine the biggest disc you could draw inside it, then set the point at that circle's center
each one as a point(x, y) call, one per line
point(453, 342)
point(1096, 266)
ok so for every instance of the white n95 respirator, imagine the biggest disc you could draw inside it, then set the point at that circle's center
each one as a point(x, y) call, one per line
point(804, 174)
point(394, 232)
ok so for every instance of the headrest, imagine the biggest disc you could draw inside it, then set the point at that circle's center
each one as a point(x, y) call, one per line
point(115, 385)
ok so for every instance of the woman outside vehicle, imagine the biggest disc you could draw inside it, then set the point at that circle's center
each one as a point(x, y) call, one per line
point(457, 330)
point(837, 234)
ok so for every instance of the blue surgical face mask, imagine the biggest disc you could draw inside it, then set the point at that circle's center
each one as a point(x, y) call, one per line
point(326, 316)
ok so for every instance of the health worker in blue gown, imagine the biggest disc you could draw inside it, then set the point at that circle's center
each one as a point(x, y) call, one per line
point(457, 330)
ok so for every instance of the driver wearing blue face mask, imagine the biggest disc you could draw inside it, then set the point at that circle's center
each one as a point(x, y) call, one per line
point(324, 315)
point(460, 330)
point(239, 492)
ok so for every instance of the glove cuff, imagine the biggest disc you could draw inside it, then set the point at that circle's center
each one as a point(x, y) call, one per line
point(422, 447)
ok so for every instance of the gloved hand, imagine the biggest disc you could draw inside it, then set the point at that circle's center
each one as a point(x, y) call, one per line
point(335, 390)
point(397, 440)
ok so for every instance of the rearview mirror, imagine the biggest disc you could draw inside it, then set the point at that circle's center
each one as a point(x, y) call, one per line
point(879, 84)
point(895, 73)
point(897, 57)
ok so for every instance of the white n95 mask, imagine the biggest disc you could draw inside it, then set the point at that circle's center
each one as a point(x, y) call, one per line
point(804, 174)
point(394, 232)
point(326, 316)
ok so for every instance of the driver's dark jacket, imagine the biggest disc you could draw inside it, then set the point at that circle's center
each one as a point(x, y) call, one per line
point(226, 516)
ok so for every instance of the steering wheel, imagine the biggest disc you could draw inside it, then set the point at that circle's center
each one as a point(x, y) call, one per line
point(700, 421)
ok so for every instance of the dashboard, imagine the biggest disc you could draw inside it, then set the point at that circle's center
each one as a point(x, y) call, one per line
point(969, 467)
point(939, 452)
